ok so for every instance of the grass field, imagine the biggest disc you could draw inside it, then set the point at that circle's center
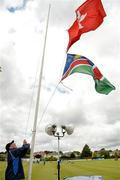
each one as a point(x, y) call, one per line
point(109, 169)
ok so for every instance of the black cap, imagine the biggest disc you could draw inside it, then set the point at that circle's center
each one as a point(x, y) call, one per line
point(8, 145)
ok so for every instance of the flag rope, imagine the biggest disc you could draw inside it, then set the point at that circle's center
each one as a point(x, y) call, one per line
point(31, 101)
point(50, 99)
point(66, 86)
point(46, 107)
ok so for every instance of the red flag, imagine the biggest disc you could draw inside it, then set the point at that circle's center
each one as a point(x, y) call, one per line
point(89, 16)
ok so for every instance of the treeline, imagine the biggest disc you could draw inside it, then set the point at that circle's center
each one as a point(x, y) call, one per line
point(86, 153)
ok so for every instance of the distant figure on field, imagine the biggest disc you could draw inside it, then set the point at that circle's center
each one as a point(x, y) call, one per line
point(44, 161)
point(14, 170)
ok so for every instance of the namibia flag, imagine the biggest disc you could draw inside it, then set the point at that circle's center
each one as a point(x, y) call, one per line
point(81, 64)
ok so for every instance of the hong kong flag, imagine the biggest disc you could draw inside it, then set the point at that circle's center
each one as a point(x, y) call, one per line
point(89, 16)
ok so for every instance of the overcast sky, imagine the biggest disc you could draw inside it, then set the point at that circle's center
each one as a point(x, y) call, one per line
point(95, 117)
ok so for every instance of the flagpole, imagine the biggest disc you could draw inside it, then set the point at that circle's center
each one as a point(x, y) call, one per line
point(37, 101)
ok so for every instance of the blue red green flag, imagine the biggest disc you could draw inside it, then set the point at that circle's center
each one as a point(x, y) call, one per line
point(81, 64)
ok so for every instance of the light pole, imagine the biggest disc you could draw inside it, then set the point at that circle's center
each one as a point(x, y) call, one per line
point(52, 131)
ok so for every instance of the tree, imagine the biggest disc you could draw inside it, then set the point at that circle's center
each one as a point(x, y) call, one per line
point(38, 156)
point(86, 152)
point(95, 155)
point(2, 156)
point(77, 153)
point(72, 155)
point(104, 153)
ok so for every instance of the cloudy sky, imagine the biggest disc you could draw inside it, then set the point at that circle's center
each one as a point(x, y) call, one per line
point(95, 117)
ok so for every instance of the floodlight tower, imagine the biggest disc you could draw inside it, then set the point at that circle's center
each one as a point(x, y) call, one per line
point(51, 130)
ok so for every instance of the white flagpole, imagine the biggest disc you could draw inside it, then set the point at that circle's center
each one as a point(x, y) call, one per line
point(37, 102)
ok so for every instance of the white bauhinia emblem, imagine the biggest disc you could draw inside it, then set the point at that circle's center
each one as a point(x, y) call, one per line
point(80, 18)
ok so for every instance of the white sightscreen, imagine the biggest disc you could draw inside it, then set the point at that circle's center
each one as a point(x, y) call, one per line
point(85, 178)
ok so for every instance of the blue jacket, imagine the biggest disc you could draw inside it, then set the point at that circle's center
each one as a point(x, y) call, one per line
point(14, 168)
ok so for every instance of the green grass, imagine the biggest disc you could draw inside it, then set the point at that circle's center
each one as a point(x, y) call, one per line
point(109, 169)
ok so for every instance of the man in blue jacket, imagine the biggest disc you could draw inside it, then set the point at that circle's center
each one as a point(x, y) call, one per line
point(14, 168)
